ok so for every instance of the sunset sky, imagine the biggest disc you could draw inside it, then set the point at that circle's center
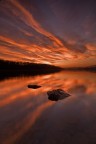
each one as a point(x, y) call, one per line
point(57, 32)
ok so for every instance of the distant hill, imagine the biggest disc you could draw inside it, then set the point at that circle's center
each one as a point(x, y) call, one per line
point(14, 69)
point(11, 69)
point(92, 67)
point(89, 68)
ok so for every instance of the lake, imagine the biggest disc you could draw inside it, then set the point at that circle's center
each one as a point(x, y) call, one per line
point(28, 117)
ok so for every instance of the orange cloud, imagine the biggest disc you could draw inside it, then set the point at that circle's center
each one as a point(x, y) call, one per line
point(33, 43)
point(28, 18)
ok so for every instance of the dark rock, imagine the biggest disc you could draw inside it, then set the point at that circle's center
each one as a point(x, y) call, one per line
point(33, 86)
point(56, 95)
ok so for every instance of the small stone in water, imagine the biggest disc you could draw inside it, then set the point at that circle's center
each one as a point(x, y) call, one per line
point(33, 86)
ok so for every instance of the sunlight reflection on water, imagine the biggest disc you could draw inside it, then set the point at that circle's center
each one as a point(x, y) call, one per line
point(27, 116)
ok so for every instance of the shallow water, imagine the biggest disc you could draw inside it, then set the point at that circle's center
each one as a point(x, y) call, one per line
point(28, 117)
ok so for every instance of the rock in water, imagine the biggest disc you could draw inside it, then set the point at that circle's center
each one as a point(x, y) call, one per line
point(33, 86)
point(56, 95)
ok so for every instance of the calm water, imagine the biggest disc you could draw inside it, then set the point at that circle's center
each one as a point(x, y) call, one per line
point(28, 117)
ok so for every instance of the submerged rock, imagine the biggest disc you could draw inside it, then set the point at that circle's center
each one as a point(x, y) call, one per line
point(33, 86)
point(56, 95)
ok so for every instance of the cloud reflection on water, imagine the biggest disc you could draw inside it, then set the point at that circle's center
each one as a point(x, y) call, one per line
point(25, 113)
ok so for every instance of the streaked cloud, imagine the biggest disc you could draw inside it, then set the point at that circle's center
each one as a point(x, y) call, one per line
point(50, 32)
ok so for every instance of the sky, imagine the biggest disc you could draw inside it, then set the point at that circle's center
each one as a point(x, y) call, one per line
point(57, 32)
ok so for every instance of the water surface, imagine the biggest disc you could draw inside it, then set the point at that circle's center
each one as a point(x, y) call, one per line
point(28, 117)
